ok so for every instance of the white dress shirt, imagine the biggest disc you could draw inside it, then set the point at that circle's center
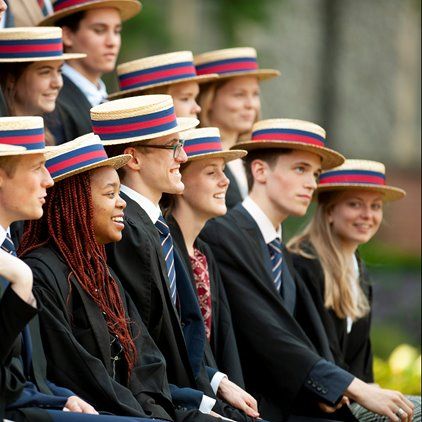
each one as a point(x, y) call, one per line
point(3, 233)
point(354, 281)
point(154, 213)
point(94, 94)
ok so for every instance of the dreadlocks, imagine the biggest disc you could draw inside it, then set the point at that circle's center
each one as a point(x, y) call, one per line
point(67, 225)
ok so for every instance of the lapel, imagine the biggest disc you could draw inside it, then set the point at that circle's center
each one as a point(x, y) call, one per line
point(233, 195)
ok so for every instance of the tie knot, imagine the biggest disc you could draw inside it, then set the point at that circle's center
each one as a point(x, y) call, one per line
point(8, 245)
point(162, 226)
point(275, 245)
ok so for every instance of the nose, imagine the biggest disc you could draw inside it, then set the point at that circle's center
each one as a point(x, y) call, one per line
point(182, 157)
point(57, 81)
point(196, 108)
point(121, 203)
point(311, 183)
point(366, 212)
point(47, 181)
point(113, 38)
point(224, 180)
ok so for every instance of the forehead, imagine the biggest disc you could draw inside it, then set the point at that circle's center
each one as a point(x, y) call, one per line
point(105, 15)
point(362, 194)
point(198, 165)
point(162, 140)
point(305, 157)
point(241, 82)
point(50, 63)
point(103, 176)
point(184, 87)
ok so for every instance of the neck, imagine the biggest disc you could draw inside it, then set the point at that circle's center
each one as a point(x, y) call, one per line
point(190, 224)
point(228, 138)
point(5, 221)
point(275, 216)
point(349, 248)
point(92, 76)
point(132, 181)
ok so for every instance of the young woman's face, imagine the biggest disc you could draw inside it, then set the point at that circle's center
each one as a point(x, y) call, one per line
point(107, 205)
point(3, 7)
point(184, 99)
point(205, 187)
point(356, 216)
point(236, 105)
point(37, 89)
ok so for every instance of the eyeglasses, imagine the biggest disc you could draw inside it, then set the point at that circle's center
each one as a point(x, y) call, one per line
point(177, 148)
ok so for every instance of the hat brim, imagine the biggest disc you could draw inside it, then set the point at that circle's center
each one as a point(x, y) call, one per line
point(64, 56)
point(127, 9)
point(390, 193)
point(261, 74)
point(7, 150)
point(227, 155)
point(183, 123)
point(330, 158)
point(115, 162)
point(201, 79)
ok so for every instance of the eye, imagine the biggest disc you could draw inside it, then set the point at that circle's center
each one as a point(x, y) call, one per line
point(299, 169)
point(111, 194)
point(376, 207)
point(354, 204)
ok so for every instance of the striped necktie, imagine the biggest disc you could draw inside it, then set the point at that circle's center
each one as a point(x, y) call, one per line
point(8, 245)
point(43, 7)
point(276, 256)
point(167, 247)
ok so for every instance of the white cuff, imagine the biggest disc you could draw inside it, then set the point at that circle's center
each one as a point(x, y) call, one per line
point(207, 403)
point(216, 380)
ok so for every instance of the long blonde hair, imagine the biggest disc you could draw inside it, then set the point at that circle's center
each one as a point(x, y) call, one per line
point(337, 268)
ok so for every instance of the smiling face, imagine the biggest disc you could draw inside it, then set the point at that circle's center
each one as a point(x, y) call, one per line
point(37, 88)
point(98, 35)
point(107, 205)
point(23, 189)
point(205, 187)
point(184, 99)
point(236, 105)
point(3, 7)
point(356, 216)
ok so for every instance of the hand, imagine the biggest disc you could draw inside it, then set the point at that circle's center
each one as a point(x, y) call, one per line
point(77, 405)
point(331, 409)
point(18, 274)
point(389, 403)
point(238, 398)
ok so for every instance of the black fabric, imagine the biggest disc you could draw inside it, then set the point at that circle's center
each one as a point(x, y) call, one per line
point(233, 195)
point(352, 351)
point(221, 352)
point(71, 117)
point(3, 106)
point(277, 351)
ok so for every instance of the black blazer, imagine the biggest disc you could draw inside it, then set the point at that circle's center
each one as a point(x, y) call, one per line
point(276, 351)
point(233, 195)
point(352, 351)
point(77, 344)
point(3, 106)
point(71, 117)
point(221, 352)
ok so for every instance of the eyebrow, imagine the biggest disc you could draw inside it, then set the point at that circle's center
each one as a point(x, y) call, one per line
point(172, 141)
point(112, 185)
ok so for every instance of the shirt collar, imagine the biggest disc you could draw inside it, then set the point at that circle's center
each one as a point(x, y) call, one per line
point(2, 234)
point(269, 233)
point(146, 204)
point(95, 94)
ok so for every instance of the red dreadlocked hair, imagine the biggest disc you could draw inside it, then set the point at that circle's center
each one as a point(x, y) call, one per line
point(67, 224)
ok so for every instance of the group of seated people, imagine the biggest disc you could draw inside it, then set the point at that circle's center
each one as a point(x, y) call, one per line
point(143, 274)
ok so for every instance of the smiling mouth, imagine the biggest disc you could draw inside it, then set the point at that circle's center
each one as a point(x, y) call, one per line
point(220, 196)
point(118, 219)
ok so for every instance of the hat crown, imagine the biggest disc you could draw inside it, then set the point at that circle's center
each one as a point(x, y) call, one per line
point(24, 131)
point(201, 141)
point(354, 164)
point(226, 53)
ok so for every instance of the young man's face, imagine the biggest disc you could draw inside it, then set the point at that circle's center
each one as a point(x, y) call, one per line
point(290, 184)
point(98, 36)
point(23, 191)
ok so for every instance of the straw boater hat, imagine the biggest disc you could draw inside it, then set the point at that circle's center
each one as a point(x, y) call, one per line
point(33, 45)
point(63, 8)
point(206, 143)
point(24, 131)
point(82, 154)
point(161, 70)
point(136, 119)
point(232, 62)
point(10, 150)
point(359, 175)
point(293, 134)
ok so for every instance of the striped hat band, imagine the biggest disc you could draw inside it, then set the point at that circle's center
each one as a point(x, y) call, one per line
point(364, 177)
point(155, 75)
point(30, 48)
point(135, 126)
point(64, 4)
point(31, 139)
point(203, 145)
point(230, 65)
point(76, 159)
point(288, 135)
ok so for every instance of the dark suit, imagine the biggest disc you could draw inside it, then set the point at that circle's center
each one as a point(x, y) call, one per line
point(178, 331)
point(352, 351)
point(233, 195)
point(71, 117)
point(79, 347)
point(221, 351)
point(286, 364)
point(3, 106)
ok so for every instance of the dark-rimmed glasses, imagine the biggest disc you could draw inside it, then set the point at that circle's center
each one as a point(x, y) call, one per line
point(177, 148)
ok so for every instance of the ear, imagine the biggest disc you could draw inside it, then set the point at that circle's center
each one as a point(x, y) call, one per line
point(135, 163)
point(260, 169)
point(67, 36)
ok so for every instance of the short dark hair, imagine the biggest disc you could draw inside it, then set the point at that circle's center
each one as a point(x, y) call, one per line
point(9, 164)
point(71, 21)
point(270, 156)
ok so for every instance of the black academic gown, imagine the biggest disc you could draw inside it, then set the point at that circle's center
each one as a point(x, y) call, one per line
point(352, 351)
point(233, 195)
point(3, 106)
point(221, 351)
point(275, 347)
point(71, 117)
point(77, 344)
point(178, 331)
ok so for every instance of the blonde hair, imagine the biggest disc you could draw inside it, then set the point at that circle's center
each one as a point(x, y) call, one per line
point(206, 98)
point(336, 266)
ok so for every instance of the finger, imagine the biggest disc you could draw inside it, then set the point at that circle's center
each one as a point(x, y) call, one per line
point(73, 406)
point(248, 410)
point(252, 403)
point(87, 408)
